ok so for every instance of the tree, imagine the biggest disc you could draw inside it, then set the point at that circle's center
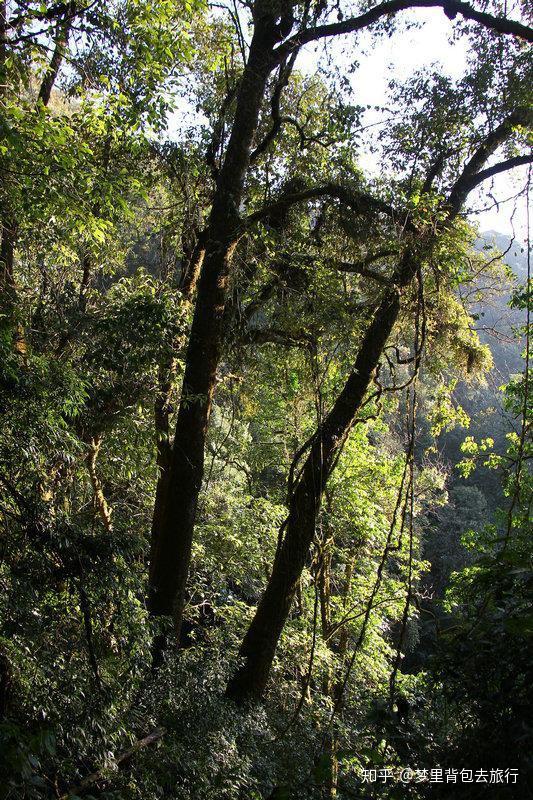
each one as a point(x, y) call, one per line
point(271, 46)
point(305, 496)
point(317, 479)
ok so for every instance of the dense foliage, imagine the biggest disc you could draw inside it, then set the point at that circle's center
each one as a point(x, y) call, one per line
point(265, 487)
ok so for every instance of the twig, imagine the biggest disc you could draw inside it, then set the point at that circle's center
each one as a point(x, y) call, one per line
point(115, 763)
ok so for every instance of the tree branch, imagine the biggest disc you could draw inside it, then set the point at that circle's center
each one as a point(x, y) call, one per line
point(259, 300)
point(285, 71)
point(100, 501)
point(496, 169)
point(450, 7)
point(218, 130)
point(360, 202)
point(279, 336)
point(357, 268)
point(472, 173)
point(101, 775)
point(54, 12)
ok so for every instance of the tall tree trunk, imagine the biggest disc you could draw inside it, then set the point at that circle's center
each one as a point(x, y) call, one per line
point(166, 375)
point(171, 545)
point(259, 644)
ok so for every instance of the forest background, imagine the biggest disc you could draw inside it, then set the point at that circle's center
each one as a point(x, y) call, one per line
point(265, 485)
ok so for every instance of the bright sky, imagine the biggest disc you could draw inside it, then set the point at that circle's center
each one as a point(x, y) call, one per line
point(400, 56)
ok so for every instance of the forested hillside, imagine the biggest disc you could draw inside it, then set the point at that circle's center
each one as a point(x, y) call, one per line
point(474, 496)
point(265, 442)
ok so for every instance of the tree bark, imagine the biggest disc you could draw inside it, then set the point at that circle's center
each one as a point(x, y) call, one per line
point(190, 275)
point(61, 42)
point(100, 501)
point(171, 544)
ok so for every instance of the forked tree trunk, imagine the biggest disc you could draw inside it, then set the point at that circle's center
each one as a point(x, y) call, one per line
point(172, 542)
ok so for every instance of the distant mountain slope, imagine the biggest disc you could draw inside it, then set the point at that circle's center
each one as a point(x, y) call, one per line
point(473, 501)
point(515, 254)
point(496, 326)
point(497, 320)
